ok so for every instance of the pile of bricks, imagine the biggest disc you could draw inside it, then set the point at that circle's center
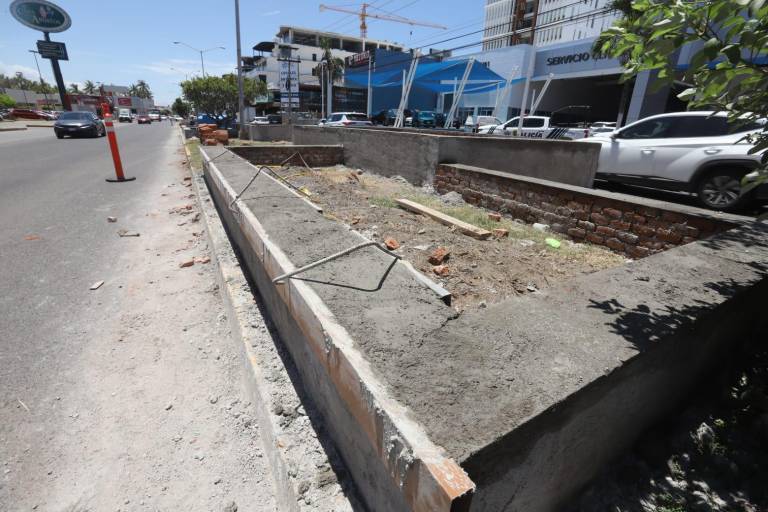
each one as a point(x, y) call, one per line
point(625, 226)
point(210, 135)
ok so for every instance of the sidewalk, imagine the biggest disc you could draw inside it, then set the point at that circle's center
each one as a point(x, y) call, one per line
point(151, 413)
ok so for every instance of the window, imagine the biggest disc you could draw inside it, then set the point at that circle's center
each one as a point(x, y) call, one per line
point(335, 117)
point(314, 57)
point(485, 111)
point(651, 129)
point(357, 117)
point(533, 122)
point(698, 126)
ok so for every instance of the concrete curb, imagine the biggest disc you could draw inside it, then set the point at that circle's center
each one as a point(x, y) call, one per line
point(297, 457)
point(425, 478)
point(39, 126)
point(11, 129)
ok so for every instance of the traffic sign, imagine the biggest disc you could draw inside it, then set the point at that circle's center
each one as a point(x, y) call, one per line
point(52, 50)
point(41, 15)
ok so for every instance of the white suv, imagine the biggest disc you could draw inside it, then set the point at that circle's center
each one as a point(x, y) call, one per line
point(696, 152)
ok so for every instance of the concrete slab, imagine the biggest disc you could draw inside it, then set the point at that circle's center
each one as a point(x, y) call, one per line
point(532, 395)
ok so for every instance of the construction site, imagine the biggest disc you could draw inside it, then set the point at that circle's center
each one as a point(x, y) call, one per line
point(472, 325)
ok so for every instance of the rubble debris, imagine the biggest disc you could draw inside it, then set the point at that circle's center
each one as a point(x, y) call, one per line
point(441, 270)
point(452, 199)
point(126, 233)
point(464, 227)
point(111, 219)
point(391, 244)
point(97, 285)
point(538, 226)
point(500, 233)
point(494, 216)
point(204, 259)
point(31, 237)
point(187, 263)
point(552, 242)
point(439, 255)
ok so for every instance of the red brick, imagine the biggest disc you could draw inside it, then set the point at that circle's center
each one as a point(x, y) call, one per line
point(581, 215)
point(391, 244)
point(648, 212)
point(643, 230)
point(628, 237)
point(611, 212)
point(605, 230)
point(686, 230)
point(638, 252)
point(638, 219)
point(500, 233)
point(620, 225)
point(439, 255)
point(577, 233)
point(615, 244)
point(599, 219)
point(595, 238)
point(587, 226)
point(669, 236)
point(494, 216)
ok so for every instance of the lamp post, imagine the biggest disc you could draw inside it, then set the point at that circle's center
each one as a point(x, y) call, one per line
point(240, 98)
point(42, 85)
point(186, 75)
point(201, 52)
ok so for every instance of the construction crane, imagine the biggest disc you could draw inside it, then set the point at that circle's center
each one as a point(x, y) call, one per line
point(363, 14)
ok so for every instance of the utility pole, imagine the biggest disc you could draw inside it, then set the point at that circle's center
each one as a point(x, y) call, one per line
point(201, 52)
point(240, 97)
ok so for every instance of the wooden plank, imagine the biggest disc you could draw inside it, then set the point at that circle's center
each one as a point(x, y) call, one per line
point(467, 229)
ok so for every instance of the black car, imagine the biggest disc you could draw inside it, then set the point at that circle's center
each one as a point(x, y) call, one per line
point(79, 123)
point(275, 119)
point(387, 117)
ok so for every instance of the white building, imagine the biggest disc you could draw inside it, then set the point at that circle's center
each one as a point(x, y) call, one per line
point(565, 21)
point(306, 44)
point(508, 22)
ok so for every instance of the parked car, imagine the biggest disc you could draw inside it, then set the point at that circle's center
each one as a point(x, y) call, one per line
point(260, 120)
point(697, 152)
point(79, 123)
point(143, 119)
point(424, 119)
point(472, 124)
point(348, 119)
point(535, 127)
point(387, 117)
point(275, 119)
point(25, 113)
point(602, 127)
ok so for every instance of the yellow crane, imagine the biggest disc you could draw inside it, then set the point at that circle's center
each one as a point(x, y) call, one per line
point(363, 14)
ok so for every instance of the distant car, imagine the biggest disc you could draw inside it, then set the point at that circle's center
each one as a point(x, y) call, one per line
point(260, 120)
point(154, 115)
point(163, 117)
point(79, 123)
point(424, 119)
point(602, 127)
point(275, 119)
point(473, 123)
point(25, 113)
point(143, 119)
point(124, 116)
point(697, 152)
point(347, 119)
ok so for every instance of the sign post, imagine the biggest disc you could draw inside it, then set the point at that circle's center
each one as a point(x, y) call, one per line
point(46, 17)
point(110, 127)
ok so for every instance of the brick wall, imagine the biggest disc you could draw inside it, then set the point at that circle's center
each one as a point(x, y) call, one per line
point(315, 156)
point(630, 225)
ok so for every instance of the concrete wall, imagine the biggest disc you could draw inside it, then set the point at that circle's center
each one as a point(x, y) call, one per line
point(627, 224)
point(314, 156)
point(270, 132)
point(415, 155)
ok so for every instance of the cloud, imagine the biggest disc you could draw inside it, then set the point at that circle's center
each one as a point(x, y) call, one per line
point(12, 69)
point(271, 13)
point(180, 67)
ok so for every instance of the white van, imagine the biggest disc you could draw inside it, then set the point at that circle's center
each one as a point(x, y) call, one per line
point(124, 115)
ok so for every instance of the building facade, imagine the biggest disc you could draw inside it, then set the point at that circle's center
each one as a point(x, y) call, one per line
point(508, 23)
point(562, 21)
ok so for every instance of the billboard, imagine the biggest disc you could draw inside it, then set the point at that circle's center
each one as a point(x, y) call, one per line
point(289, 84)
point(124, 102)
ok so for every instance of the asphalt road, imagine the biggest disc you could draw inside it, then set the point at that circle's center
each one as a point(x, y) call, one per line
point(55, 190)
point(128, 397)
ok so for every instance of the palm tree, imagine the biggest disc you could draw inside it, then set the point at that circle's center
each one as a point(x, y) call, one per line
point(143, 89)
point(133, 90)
point(329, 66)
point(74, 89)
point(89, 87)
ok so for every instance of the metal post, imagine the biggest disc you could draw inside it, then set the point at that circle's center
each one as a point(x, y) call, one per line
point(240, 95)
point(528, 77)
point(322, 92)
point(202, 64)
point(59, 80)
point(369, 102)
point(45, 92)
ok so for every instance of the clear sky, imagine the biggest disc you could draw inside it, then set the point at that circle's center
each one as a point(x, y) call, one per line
point(121, 42)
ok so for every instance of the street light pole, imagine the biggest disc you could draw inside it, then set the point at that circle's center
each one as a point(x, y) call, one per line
point(240, 95)
point(42, 85)
point(201, 52)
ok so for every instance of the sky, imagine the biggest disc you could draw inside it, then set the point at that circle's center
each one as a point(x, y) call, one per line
point(122, 42)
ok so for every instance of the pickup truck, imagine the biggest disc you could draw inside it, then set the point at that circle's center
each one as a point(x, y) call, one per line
point(535, 127)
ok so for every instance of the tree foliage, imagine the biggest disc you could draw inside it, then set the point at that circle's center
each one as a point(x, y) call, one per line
point(19, 81)
point(180, 107)
point(74, 89)
point(89, 87)
point(728, 40)
point(6, 101)
point(217, 95)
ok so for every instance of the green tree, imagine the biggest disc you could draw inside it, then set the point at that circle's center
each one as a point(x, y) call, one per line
point(217, 95)
point(728, 71)
point(133, 90)
point(74, 89)
point(6, 101)
point(89, 87)
point(143, 90)
point(180, 107)
point(329, 65)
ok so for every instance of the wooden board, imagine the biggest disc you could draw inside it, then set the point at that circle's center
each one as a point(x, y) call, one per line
point(467, 229)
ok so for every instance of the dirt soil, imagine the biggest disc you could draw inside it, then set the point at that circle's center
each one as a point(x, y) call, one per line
point(479, 272)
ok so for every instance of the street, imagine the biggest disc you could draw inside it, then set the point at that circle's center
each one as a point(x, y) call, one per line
point(126, 397)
